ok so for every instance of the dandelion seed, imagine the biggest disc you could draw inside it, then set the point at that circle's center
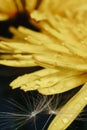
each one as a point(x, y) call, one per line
point(26, 110)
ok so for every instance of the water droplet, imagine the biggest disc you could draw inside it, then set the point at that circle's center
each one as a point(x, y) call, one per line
point(55, 124)
point(65, 120)
point(85, 98)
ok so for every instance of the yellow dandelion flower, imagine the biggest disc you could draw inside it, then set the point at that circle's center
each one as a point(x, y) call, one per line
point(59, 47)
